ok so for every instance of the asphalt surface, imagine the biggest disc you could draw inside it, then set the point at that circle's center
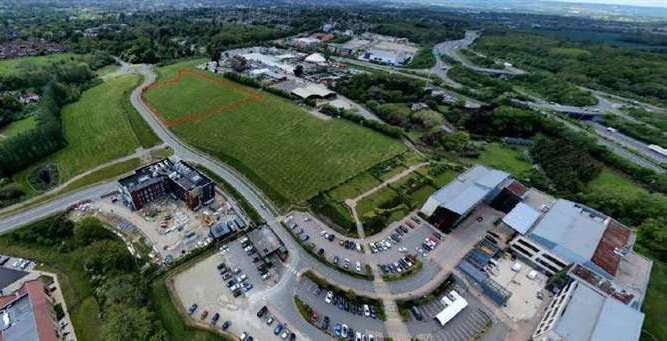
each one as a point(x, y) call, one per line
point(450, 47)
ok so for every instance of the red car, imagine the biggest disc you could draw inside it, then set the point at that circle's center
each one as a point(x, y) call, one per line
point(313, 316)
point(204, 315)
point(409, 223)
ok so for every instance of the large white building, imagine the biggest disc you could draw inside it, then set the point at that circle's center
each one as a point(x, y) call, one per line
point(580, 313)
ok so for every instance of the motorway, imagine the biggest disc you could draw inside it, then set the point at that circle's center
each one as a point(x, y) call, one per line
point(631, 149)
point(450, 48)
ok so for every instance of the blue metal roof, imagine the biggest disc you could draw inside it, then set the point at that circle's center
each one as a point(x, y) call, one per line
point(591, 316)
point(570, 230)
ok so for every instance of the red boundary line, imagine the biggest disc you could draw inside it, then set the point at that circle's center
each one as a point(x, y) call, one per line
point(252, 97)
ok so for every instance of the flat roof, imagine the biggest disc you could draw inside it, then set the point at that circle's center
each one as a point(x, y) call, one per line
point(605, 318)
point(454, 304)
point(264, 240)
point(9, 276)
point(570, 230)
point(521, 218)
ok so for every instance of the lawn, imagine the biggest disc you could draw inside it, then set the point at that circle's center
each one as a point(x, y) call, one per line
point(375, 200)
point(18, 127)
point(507, 158)
point(289, 153)
point(354, 187)
point(10, 66)
point(97, 129)
point(655, 304)
point(610, 181)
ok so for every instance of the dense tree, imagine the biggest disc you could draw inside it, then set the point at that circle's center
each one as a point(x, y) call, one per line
point(131, 323)
point(568, 166)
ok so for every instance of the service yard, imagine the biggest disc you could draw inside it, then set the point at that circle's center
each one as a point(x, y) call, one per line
point(290, 154)
point(528, 295)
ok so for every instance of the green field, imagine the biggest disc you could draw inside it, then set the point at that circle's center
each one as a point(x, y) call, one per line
point(289, 153)
point(610, 181)
point(97, 130)
point(354, 187)
point(655, 304)
point(18, 127)
point(10, 66)
point(186, 97)
point(503, 157)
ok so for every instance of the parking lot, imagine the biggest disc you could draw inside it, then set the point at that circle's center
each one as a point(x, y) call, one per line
point(344, 252)
point(400, 239)
point(464, 326)
point(203, 284)
point(356, 321)
point(526, 286)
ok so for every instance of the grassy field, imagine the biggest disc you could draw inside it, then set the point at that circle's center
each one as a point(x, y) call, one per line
point(610, 181)
point(97, 129)
point(369, 203)
point(655, 304)
point(18, 127)
point(354, 187)
point(10, 66)
point(289, 153)
point(503, 157)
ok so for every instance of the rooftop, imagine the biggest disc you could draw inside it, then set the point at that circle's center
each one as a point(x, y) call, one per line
point(180, 172)
point(571, 230)
point(466, 191)
point(9, 276)
point(521, 218)
point(26, 314)
point(607, 319)
point(264, 240)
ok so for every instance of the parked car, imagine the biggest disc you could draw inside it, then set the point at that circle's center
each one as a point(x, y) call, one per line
point(262, 311)
point(269, 321)
point(226, 324)
point(329, 297)
point(416, 313)
point(215, 318)
point(204, 314)
point(192, 308)
point(278, 329)
point(367, 310)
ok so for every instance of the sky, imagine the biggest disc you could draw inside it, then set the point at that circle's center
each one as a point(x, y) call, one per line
point(654, 3)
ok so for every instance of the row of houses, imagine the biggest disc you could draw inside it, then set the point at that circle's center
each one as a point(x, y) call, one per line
point(608, 280)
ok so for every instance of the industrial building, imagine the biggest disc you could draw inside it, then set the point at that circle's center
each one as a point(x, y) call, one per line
point(28, 315)
point(166, 177)
point(452, 203)
point(578, 312)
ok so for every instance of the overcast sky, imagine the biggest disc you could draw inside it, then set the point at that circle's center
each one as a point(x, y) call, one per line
point(654, 3)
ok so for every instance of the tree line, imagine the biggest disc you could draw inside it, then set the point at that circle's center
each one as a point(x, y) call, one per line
point(60, 84)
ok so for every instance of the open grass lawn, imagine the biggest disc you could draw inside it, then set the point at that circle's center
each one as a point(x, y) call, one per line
point(18, 127)
point(614, 182)
point(289, 153)
point(97, 129)
point(507, 158)
point(369, 203)
point(354, 187)
point(655, 305)
point(10, 66)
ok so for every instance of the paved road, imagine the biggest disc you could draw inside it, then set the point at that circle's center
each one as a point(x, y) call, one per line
point(450, 48)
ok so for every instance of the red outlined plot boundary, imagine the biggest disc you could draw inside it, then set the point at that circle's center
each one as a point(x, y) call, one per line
point(251, 96)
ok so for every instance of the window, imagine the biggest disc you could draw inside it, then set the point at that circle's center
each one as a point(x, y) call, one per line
point(554, 260)
point(547, 265)
point(528, 245)
point(522, 250)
